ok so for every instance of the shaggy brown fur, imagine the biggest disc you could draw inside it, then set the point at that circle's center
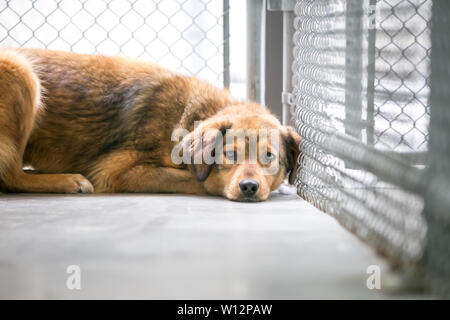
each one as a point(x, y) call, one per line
point(91, 122)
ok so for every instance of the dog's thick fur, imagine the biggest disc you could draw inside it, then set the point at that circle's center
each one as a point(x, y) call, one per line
point(91, 122)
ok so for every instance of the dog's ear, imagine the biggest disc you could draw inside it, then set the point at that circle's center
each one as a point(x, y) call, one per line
point(204, 141)
point(293, 152)
point(203, 152)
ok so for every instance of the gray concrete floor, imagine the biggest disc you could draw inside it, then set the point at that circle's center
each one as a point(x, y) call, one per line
point(178, 247)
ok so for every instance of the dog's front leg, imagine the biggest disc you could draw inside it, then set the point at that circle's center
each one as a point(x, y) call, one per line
point(150, 179)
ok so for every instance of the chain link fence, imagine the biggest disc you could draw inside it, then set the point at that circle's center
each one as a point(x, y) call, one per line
point(189, 36)
point(361, 87)
point(374, 156)
point(402, 76)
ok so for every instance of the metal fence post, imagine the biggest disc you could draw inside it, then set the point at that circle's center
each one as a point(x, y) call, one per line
point(288, 58)
point(371, 75)
point(226, 43)
point(353, 68)
point(437, 202)
point(256, 25)
point(287, 6)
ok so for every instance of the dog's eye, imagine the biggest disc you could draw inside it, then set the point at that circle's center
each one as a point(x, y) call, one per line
point(230, 155)
point(268, 157)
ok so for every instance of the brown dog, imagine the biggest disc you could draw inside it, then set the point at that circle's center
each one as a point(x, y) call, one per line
point(111, 120)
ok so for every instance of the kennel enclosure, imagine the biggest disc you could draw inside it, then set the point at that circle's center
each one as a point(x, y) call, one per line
point(365, 84)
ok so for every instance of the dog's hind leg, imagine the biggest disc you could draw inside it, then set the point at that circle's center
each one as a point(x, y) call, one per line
point(19, 105)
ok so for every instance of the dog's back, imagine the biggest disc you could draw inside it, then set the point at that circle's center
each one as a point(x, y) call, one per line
point(89, 103)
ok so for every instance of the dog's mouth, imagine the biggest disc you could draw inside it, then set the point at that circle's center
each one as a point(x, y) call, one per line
point(247, 199)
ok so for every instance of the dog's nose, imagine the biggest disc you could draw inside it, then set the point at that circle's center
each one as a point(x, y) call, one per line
point(249, 187)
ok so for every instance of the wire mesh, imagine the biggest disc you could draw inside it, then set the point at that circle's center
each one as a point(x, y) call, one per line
point(402, 58)
point(371, 103)
point(359, 104)
point(187, 36)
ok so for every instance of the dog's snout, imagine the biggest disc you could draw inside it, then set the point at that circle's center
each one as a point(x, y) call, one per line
point(249, 187)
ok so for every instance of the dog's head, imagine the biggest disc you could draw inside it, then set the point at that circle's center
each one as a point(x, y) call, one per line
point(243, 153)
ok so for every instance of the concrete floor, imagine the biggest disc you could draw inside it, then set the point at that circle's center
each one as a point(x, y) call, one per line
point(178, 247)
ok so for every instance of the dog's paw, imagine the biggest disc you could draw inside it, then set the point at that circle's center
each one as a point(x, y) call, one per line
point(76, 183)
